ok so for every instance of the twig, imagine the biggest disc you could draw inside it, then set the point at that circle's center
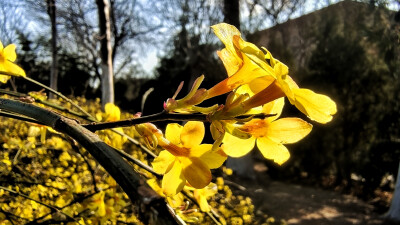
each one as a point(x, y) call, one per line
point(163, 116)
point(137, 143)
point(49, 89)
point(76, 148)
point(138, 162)
point(212, 215)
point(238, 186)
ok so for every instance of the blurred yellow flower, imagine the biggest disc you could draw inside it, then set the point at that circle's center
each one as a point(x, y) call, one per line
point(270, 134)
point(112, 112)
point(185, 158)
point(7, 57)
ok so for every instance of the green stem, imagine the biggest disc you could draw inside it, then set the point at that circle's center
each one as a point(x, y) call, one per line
point(58, 94)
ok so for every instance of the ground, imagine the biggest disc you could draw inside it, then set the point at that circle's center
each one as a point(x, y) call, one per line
point(305, 205)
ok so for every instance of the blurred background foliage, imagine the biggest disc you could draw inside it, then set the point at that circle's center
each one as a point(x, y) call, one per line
point(348, 50)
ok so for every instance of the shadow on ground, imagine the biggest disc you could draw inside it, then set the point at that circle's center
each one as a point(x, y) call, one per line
point(302, 205)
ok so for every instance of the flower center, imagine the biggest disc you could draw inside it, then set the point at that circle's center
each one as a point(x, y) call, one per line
point(257, 128)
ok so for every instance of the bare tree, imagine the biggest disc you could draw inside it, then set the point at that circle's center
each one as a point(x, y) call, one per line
point(12, 21)
point(51, 10)
point(232, 13)
point(266, 13)
point(107, 82)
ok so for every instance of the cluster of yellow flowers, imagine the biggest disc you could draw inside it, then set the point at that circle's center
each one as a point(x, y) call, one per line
point(256, 86)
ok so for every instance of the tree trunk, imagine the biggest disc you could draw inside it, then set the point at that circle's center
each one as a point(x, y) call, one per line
point(51, 10)
point(231, 13)
point(394, 210)
point(107, 82)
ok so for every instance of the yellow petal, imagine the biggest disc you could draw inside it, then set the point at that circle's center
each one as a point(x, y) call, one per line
point(273, 150)
point(202, 201)
point(176, 200)
point(274, 107)
point(174, 180)
point(13, 68)
point(225, 32)
point(213, 159)
point(196, 172)
point(230, 61)
point(9, 52)
point(247, 73)
point(192, 134)
point(285, 81)
point(317, 107)
point(4, 79)
point(162, 162)
point(288, 130)
point(261, 83)
point(200, 150)
point(236, 147)
point(172, 133)
point(1, 46)
point(201, 196)
point(112, 111)
point(255, 55)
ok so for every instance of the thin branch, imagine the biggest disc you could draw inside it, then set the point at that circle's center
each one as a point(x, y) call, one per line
point(137, 143)
point(28, 98)
point(163, 116)
point(76, 148)
point(49, 89)
point(138, 162)
point(211, 214)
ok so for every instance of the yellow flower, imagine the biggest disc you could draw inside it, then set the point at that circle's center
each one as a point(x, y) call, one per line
point(269, 134)
point(112, 112)
point(185, 158)
point(174, 201)
point(7, 57)
point(201, 196)
point(267, 77)
point(317, 107)
point(240, 68)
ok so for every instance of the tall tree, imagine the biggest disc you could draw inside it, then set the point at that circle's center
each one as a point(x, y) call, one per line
point(107, 81)
point(51, 10)
point(232, 13)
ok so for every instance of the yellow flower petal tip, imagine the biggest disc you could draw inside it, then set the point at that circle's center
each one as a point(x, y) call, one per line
point(7, 58)
point(317, 107)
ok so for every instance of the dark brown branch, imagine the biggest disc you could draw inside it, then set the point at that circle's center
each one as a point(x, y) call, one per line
point(163, 116)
